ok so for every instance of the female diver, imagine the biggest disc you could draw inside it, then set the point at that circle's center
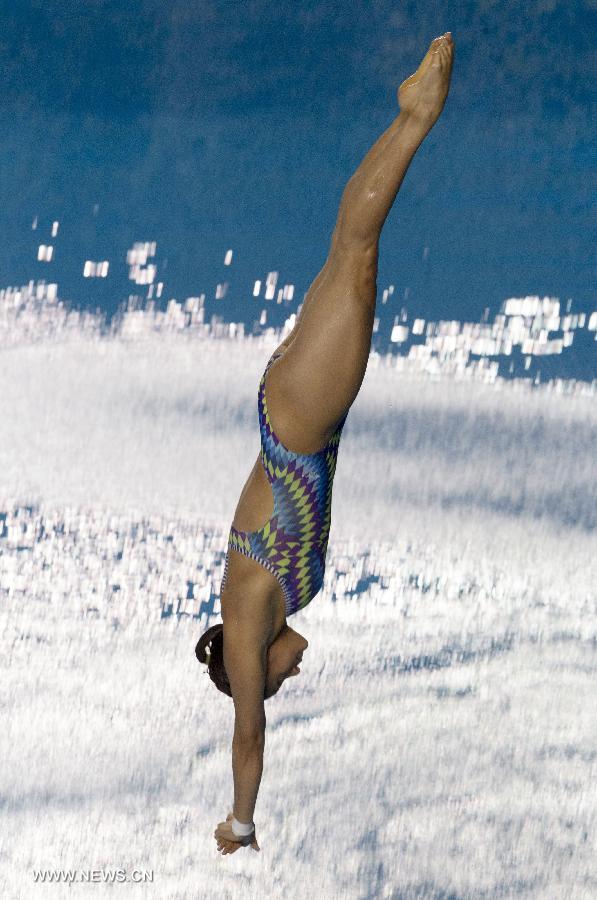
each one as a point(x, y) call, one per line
point(304, 396)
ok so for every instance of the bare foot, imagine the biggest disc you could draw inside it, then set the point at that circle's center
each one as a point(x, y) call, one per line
point(423, 94)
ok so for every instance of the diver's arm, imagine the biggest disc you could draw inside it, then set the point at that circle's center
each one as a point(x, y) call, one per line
point(245, 659)
point(247, 768)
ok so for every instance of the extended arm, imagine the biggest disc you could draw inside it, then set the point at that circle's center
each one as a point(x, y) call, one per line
point(245, 659)
point(247, 768)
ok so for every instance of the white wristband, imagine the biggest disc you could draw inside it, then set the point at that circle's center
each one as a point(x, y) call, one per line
point(241, 829)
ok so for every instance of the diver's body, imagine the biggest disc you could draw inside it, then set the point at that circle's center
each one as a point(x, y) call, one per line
point(310, 383)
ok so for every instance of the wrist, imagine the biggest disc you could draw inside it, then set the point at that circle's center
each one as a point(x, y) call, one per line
point(241, 829)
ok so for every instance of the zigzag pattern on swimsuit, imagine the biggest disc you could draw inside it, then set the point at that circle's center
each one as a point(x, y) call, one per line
point(293, 543)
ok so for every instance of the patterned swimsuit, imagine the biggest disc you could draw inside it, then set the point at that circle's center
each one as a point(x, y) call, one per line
point(292, 545)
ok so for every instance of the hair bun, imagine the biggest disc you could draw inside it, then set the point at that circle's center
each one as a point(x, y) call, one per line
point(204, 642)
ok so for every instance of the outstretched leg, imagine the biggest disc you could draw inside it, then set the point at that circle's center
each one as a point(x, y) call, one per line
point(370, 193)
point(319, 375)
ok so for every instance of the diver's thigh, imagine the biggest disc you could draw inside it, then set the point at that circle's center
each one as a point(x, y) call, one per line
point(320, 374)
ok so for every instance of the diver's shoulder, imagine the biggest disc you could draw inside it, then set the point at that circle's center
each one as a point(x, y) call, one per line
point(249, 595)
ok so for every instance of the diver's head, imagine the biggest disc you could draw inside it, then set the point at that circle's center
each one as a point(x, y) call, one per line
point(284, 655)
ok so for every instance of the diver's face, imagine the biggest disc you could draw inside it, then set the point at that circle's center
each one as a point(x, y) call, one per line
point(283, 659)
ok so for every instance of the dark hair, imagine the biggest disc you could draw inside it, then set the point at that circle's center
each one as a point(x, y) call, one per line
point(213, 641)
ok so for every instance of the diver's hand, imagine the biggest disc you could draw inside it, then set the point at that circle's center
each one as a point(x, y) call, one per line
point(229, 842)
